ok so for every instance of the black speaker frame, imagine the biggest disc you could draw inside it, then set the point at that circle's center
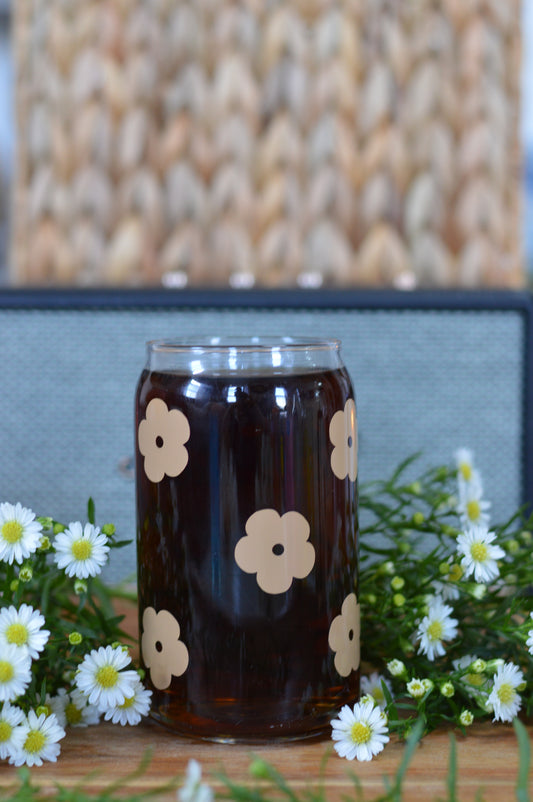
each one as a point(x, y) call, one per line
point(520, 302)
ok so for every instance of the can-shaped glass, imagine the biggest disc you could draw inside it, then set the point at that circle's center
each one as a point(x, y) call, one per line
point(246, 484)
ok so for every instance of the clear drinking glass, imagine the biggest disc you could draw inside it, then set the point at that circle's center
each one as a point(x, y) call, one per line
point(246, 466)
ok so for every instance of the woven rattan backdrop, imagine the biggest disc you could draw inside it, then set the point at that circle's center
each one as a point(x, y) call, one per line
point(363, 142)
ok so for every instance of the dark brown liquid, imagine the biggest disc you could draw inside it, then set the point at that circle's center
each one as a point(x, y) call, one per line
point(259, 663)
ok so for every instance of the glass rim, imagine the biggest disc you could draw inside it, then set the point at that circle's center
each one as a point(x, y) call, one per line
point(243, 344)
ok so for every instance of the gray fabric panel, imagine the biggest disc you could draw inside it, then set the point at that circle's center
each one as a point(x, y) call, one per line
point(428, 381)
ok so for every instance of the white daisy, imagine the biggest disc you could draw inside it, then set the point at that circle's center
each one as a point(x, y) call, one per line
point(81, 551)
point(23, 628)
point(472, 508)
point(72, 708)
point(193, 789)
point(20, 533)
point(11, 734)
point(436, 627)
point(15, 672)
point(529, 642)
point(478, 554)
point(504, 698)
point(41, 736)
point(464, 459)
point(360, 733)
point(446, 590)
point(133, 708)
point(373, 685)
point(101, 679)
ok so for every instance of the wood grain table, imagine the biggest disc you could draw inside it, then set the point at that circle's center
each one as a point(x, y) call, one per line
point(94, 757)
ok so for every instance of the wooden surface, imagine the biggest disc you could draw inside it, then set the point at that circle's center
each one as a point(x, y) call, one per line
point(95, 757)
point(487, 758)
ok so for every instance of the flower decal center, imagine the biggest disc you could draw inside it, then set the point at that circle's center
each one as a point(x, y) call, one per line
point(276, 548)
point(343, 435)
point(344, 635)
point(161, 436)
point(162, 650)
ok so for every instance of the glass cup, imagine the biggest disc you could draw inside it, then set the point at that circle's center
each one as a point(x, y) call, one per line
point(246, 469)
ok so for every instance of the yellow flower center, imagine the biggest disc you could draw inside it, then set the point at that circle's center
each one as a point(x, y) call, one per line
point(7, 672)
point(506, 693)
point(466, 471)
point(360, 733)
point(5, 731)
point(435, 630)
point(82, 549)
point(17, 634)
point(73, 713)
point(35, 740)
point(473, 510)
point(378, 694)
point(479, 552)
point(12, 531)
point(127, 703)
point(107, 676)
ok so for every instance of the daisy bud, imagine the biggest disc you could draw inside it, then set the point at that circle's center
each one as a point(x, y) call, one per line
point(58, 528)
point(478, 591)
point(521, 687)
point(526, 536)
point(466, 718)
point(386, 568)
point(418, 518)
point(396, 668)
point(259, 769)
point(397, 582)
point(428, 684)
point(46, 523)
point(13, 586)
point(451, 531)
point(26, 573)
point(398, 600)
point(44, 545)
point(447, 689)
point(118, 645)
point(415, 688)
point(512, 546)
point(108, 529)
point(404, 548)
point(369, 598)
point(478, 666)
point(80, 587)
point(444, 568)
point(456, 573)
point(75, 638)
point(415, 488)
point(494, 664)
point(43, 709)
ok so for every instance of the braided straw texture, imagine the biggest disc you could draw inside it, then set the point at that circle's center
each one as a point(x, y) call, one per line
point(268, 143)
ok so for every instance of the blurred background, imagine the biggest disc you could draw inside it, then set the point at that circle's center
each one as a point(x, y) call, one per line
point(284, 143)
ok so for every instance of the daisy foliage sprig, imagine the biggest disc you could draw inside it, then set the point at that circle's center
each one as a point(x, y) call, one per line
point(446, 602)
point(62, 662)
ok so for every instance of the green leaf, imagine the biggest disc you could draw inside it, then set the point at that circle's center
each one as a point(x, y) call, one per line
point(524, 757)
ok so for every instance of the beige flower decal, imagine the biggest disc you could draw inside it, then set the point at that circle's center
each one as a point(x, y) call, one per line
point(344, 634)
point(162, 650)
point(276, 548)
point(162, 435)
point(343, 435)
